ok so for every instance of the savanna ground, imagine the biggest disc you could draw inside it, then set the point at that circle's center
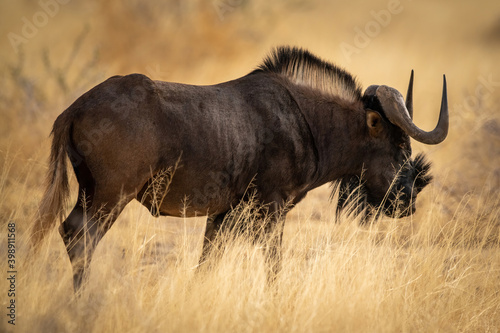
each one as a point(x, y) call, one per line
point(438, 270)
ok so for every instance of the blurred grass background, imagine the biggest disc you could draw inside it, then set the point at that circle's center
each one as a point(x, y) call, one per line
point(44, 69)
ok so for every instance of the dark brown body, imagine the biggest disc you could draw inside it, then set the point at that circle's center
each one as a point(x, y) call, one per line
point(221, 137)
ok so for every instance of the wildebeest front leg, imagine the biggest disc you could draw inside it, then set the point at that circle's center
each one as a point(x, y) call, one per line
point(272, 239)
point(214, 227)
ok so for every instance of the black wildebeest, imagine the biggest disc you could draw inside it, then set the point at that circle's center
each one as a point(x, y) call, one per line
point(291, 125)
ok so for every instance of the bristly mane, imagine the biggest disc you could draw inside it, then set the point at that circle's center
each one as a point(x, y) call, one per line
point(303, 68)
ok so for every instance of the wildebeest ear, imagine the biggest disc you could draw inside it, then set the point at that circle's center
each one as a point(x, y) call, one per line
point(374, 122)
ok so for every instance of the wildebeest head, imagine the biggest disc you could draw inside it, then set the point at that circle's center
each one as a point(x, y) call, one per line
point(392, 180)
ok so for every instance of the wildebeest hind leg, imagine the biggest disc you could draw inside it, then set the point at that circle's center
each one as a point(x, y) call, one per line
point(85, 226)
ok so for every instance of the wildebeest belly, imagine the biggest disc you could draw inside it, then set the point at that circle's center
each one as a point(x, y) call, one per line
point(183, 193)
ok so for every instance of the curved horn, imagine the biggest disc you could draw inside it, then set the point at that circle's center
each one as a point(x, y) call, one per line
point(398, 114)
point(371, 90)
point(409, 96)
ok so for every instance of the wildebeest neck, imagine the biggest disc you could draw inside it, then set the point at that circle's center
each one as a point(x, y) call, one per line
point(338, 129)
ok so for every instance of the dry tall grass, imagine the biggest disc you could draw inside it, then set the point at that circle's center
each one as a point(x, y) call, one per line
point(436, 271)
